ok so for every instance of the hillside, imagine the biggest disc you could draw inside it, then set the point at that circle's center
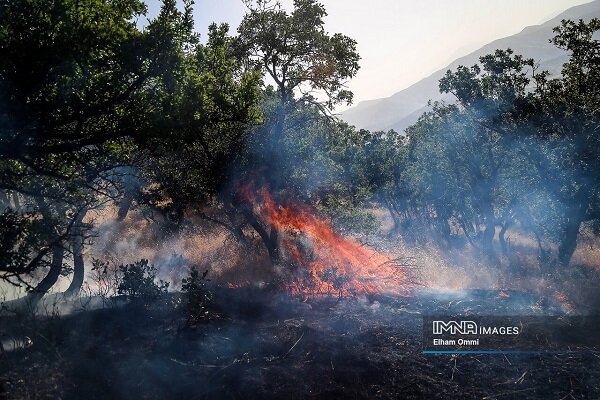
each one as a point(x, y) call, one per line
point(404, 108)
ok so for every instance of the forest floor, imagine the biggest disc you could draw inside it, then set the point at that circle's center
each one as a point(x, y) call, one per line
point(261, 344)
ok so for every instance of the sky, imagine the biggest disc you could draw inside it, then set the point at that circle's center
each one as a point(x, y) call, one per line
point(403, 41)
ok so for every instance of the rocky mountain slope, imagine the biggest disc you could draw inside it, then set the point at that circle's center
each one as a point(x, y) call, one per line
point(404, 108)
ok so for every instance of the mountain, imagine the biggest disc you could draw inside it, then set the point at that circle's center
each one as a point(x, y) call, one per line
point(404, 108)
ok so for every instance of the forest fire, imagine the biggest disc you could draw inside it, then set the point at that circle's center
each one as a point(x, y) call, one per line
point(327, 263)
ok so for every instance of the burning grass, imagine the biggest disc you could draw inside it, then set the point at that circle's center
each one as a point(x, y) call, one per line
point(318, 261)
point(327, 262)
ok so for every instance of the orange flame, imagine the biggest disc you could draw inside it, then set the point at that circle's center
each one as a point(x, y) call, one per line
point(328, 263)
point(236, 285)
point(564, 300)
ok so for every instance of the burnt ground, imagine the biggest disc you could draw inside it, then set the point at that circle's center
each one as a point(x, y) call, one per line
point(261, 345)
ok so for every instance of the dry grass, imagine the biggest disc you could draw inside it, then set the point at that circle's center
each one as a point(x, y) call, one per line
point(439, 267)
point(209, 246)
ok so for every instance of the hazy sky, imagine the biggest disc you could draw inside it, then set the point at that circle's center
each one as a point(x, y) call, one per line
point(402, 41)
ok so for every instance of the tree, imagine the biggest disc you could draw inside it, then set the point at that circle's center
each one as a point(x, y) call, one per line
point(211, 105)
point(472, 147)
point(304, 62)
point(570, 129)
point(308, 68)
point(517, 146)
point(75, 74)
point(296, 52)
point(75, 79)
point(85, 94)
point(368, 166)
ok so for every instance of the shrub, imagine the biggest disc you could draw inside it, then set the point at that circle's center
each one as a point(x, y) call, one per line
point(105, 279)
point(196, 297)
point(138, 282)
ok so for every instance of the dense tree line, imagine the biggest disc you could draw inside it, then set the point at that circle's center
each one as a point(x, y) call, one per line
point(97, 109)
point(516, 148)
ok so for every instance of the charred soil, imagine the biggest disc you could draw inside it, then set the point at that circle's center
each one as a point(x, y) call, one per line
point(261, 344)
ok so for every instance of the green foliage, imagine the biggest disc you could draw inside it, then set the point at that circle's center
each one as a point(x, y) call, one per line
point(516, 147)
point(347, 211)
point(86, 94)
point(568, 128)
point(210, 105)
point(138, 281)
point(71, 74)
point(84, 90)
point(297, 53)
point(309, 69)
point(20, 237)
point(77, 81)
point(197, 298)
point(469, 163)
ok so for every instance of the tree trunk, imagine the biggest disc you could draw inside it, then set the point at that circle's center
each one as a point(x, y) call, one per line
point(50, 279)
point(487, 237)
point(16, 201)
point(273, 246)
point(392, 211)
point(463, 225)
point(568, 242)
point(58, 251)
point(442, 226)
point(78, 262)
point(4, 200)
point(279, 124)
point(237, 230)
point(270, 240)
point(502, 239)
point(124, 206)
point(280, 117)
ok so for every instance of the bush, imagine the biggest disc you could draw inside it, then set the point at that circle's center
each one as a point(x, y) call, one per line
point(138, 282)
point(105, 278)
point(196, 297)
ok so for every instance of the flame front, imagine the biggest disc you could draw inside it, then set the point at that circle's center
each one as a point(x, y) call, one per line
point(330, 264)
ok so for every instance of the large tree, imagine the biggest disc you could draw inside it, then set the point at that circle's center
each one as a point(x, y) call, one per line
point(86, 91)
point(305, 69)
point(75, 74)
point(569, 128)
point(463, 156)
point(211, 106)
point(298, 55)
